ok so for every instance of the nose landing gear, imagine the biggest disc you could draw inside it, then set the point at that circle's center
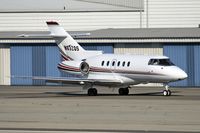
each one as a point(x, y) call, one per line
point(167, 92)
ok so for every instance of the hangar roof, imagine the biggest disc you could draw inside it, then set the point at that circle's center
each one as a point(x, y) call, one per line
point(120, 33)
point(126, 35)
point(147, 33)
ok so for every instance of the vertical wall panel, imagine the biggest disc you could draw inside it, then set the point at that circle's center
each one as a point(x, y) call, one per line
point(39, 63)
point(4, 64)
point(21, 64)
point(190, 64)
point(52, 59)
point(197, 65)
point(178, 55)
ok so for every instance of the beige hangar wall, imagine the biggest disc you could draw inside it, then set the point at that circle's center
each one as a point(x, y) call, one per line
point(5, 64)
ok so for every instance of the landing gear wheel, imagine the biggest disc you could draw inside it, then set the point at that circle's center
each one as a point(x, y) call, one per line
point(167, 93)
point(123, 91)
point(92, 92)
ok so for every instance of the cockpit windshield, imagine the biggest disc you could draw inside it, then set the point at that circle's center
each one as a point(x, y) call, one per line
point(160, 62)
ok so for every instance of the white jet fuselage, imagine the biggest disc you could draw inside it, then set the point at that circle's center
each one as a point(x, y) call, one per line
point(128, 69)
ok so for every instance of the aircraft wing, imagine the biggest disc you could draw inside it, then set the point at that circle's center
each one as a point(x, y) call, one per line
point(65, 80)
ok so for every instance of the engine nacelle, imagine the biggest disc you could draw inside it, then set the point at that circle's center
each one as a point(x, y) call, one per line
point(84, 67)
point(75, 67)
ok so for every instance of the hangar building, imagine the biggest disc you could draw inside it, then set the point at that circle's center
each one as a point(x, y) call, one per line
point(147, 27)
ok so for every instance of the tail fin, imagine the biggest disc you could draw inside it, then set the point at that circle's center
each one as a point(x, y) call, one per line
point(69, 48)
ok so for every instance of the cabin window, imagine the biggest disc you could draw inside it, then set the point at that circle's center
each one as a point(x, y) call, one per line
point(102, 63)
point(123, 64)
point(160, 62)
point(108, 62)
point(113, 63)
point(118, 63)
point(128, 64)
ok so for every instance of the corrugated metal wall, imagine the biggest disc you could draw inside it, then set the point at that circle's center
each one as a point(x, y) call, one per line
point(70, 21)
point(70, 5)
point(172, 13)
point(139, 49)
point(41, 60)
point(157, 13)
point(185, 56)
point(4, 64)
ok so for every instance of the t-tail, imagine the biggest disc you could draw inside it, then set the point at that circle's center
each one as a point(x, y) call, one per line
point(69, 48)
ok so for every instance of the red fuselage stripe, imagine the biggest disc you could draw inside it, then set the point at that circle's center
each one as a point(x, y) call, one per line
point(96, 69)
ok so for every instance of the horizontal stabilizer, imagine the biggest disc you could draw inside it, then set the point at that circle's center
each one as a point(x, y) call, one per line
point(51, 35)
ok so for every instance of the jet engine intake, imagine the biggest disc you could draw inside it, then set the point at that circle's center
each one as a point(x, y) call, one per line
point(85, 68)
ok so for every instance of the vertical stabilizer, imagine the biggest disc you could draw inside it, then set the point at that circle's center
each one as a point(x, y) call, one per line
point(69, 48)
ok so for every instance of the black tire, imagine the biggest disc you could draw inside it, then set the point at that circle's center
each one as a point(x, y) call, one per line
point(92, 92)
point(95, 92)
point(123, 91)
point(126, 91)
point(169, 93)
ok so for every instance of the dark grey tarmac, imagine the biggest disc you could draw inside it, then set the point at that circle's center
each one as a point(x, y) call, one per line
point(68, 109)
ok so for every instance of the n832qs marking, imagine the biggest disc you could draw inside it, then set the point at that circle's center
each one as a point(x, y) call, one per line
point(113, 70)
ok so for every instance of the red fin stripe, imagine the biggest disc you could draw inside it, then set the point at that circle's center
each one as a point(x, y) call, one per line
point(64, 56)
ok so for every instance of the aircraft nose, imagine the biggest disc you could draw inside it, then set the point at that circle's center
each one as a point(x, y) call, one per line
point(182, 75)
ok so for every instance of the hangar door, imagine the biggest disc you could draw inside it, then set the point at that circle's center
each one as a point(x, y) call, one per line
point(187, 57)
point(40, 60)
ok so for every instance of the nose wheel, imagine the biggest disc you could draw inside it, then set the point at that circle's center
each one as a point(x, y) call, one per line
point(167, 92)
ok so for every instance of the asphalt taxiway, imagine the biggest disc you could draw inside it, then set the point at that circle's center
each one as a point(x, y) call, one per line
point(68, 109)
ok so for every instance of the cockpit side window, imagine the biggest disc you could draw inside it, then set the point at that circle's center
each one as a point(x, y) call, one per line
point(160, 62)
point(153, 62)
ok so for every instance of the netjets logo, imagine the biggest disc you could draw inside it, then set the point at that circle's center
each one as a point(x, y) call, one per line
point(71, 48)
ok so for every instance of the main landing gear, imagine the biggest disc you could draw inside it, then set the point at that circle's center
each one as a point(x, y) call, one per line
point(123, 91)
point(92, 92)
point(167, 92)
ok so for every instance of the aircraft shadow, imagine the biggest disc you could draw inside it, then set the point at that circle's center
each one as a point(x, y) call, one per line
point(82, 94)
point(78, 94)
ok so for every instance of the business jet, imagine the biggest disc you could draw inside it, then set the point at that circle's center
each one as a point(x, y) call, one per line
point(112, 70)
